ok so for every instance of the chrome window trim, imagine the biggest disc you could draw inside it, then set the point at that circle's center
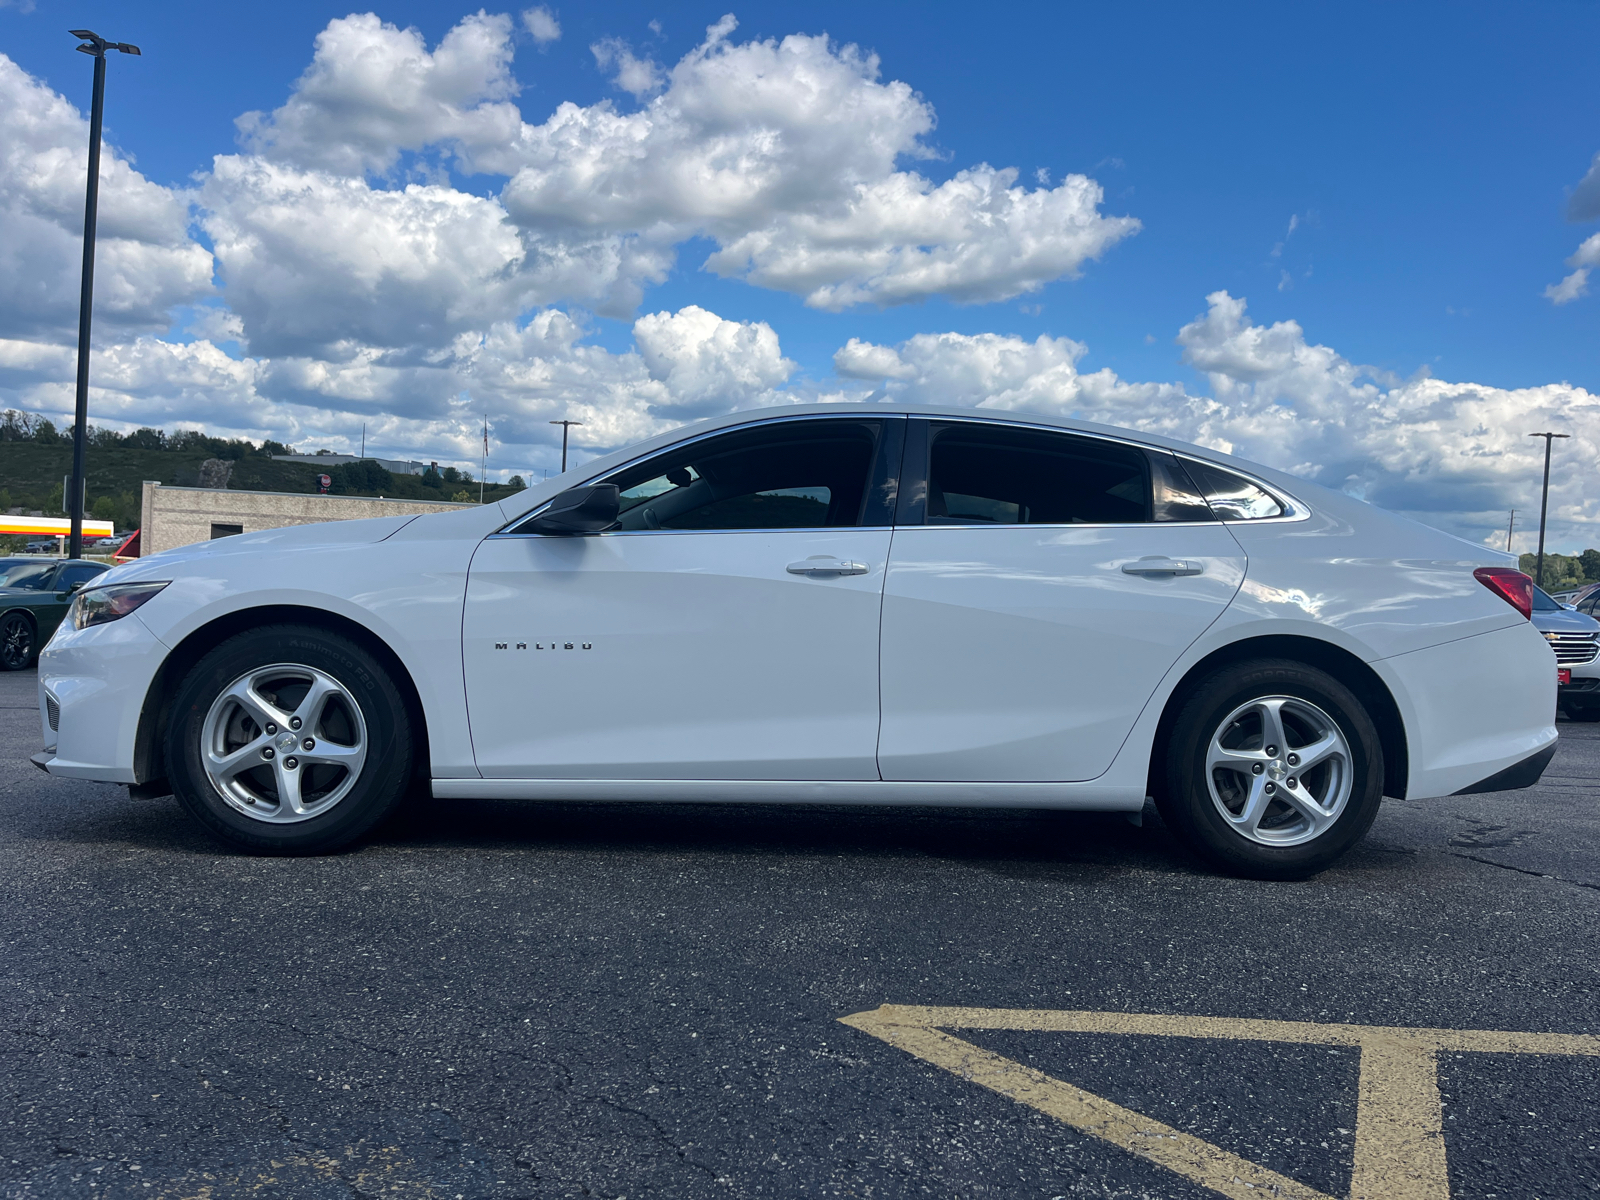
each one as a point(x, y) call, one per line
point(505, 531)
point(1294, 509)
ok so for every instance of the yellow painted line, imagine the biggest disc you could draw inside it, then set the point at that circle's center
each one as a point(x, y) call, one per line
point(1399, 1139)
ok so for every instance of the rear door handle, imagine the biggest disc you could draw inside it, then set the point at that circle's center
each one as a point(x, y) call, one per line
point(1162, 566)
point(826, 566)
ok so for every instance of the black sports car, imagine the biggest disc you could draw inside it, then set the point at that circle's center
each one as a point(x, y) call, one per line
point(34, 595)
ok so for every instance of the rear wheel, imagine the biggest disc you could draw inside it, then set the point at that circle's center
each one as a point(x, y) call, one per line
point(1273, 769)
point(289, 740)
point(17, 642)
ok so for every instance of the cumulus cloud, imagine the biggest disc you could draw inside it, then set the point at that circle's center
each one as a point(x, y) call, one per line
point(786, 154)
point(1452, 454)
point(374, 90)
point(640, 77)
point(1577, 283)
point(541, 25)
point(146, 263)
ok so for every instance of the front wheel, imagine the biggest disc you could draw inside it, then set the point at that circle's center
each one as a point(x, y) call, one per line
point(17, 642)
point(1273, 769)
point(289, 740)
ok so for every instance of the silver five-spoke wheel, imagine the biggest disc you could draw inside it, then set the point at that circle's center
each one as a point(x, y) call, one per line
point(284, 743)
point(1279, 770)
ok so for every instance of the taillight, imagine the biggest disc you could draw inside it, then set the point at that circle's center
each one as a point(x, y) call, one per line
point(1512, 586)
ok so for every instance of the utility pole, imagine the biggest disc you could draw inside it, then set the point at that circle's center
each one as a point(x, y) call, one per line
point(565, 425)
point(363, 441)
point(92, 44)
point(1510, 525)
point(484, 471)
point(1544, 502)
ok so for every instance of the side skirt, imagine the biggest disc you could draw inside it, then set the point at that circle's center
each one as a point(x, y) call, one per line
point(1088, 797)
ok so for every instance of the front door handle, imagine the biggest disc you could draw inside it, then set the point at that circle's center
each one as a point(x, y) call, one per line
point(1162, 566)
point(823, 565)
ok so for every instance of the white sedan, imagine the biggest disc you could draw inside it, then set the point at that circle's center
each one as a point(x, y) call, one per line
point(832, 604)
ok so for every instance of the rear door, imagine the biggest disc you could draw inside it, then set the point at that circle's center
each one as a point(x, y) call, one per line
point(1040, 585)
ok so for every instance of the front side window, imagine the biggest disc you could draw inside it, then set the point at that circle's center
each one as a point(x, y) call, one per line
point(806, 474)
point(78, 573)
point(1232, 497)
point(1001, 475)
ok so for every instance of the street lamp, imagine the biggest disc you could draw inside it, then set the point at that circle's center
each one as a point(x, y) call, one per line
point(565, 425)
point(1544, 502)
point(90, 43)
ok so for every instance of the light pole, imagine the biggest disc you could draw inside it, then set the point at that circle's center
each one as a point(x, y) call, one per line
point(1544, 502)
point(1510, 525)
point(565, 425)
point(93, 44)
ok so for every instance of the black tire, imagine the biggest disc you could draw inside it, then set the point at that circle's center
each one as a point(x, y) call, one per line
point(19, 644)
point(1582, 712)
point(1180, 775)
point(379, 783)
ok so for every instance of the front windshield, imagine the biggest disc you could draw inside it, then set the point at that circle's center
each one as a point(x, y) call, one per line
point(1543, 602)
point(30, 575)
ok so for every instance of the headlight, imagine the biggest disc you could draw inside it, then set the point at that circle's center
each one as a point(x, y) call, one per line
point(96, 606)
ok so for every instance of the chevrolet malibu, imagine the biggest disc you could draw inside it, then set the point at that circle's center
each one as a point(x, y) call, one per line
point(830, 604)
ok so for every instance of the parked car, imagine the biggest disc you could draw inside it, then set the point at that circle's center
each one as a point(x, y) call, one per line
point(34, 597)
point(41, 546)
point(833, 604)
point(1575, 637)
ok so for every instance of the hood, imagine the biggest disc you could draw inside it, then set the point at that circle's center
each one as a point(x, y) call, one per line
point(291, 537)
point(1565, 621)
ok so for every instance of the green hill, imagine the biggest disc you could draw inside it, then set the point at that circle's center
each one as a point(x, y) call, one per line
point(34, 458)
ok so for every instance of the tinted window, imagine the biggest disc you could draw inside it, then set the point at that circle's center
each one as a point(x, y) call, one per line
point(1543, 601)
point(1590, 605)
point(1232, 497)
point(1175, 496)
point(33, 576)
point(995, 475)
point(77, 573)
point(788, 475)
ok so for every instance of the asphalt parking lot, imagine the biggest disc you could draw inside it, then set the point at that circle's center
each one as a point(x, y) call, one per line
point(512, 1000)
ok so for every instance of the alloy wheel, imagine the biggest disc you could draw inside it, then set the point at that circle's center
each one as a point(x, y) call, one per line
point(284, 743)
point(16, 642)
point(1279, 770)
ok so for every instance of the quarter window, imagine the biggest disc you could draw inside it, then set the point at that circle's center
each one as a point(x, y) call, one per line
point(1232, 497)
point(806, 474)
point(1002, 475)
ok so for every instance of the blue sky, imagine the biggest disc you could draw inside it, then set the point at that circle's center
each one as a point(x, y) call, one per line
point(1393, 180)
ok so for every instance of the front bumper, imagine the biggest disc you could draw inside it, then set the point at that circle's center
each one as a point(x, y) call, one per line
point(98, 678)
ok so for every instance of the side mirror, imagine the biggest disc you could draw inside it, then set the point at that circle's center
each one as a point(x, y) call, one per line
point(591, 508)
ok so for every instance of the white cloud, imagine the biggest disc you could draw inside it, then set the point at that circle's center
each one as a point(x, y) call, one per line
point(1577, 283)
point(640, 77)
point(373, 90)
point(710, 365)
point(541, 25)
point(785, 153)
point(1451, 454)
point(145, 261)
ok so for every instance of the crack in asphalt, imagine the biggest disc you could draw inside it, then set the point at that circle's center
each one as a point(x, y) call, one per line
point(1489, 862)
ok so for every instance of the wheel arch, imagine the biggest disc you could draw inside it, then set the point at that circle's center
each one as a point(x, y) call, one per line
point(1336, 661)
point(149, 766)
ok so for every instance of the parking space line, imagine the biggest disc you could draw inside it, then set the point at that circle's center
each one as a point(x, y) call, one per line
point(1399, 1137)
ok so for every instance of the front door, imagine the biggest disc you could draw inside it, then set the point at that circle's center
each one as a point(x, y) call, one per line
point(727, 629)
point(1040, 587)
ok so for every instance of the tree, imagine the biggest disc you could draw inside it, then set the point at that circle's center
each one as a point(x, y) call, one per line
point(1591, 564)
point(516, 482)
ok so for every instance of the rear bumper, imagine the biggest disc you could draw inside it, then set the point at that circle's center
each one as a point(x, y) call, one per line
point(1519, 775)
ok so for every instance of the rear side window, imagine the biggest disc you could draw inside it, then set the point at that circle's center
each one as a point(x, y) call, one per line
point(1233, 497)
point(78, 573)
point(998, 475)
point(809, 474)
